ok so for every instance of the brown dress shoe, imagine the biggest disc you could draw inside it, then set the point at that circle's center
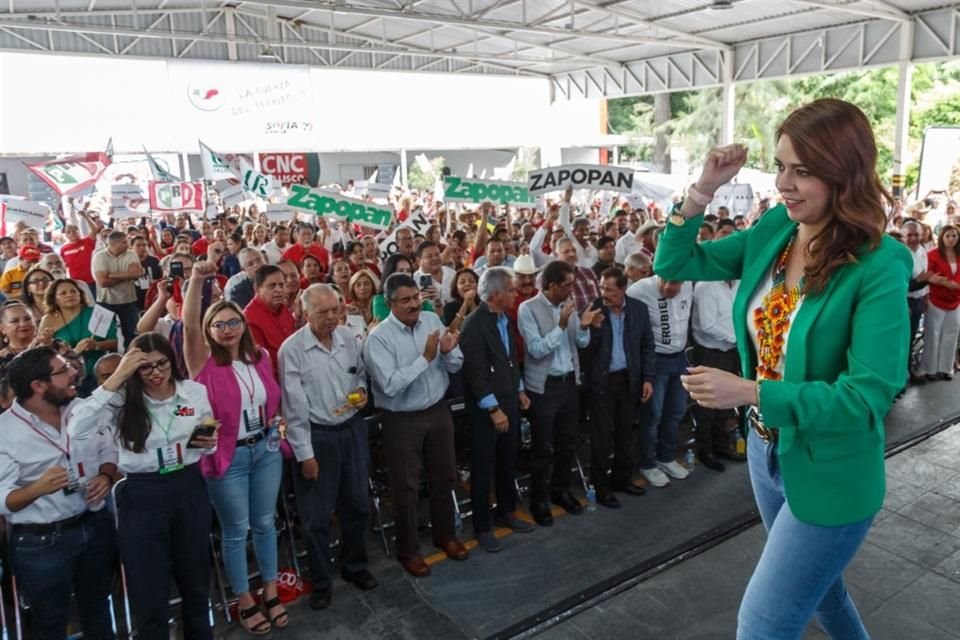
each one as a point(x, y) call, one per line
point(454, 549)
point(416, 567)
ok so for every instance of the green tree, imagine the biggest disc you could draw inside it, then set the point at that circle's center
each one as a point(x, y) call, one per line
point(417, 179)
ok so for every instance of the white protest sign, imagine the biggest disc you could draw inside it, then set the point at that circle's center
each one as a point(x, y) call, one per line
point(581, 176)
point(32, 214)
point(278, 212)
point(212, 211)
point(230, 194)
point(253, 181)
point(100, 321)
point(606, 203)
point(417, 221)
point(636, 200)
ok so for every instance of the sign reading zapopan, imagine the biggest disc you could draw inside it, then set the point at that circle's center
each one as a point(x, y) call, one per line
point(581, 176)
point(328, 203)
point(472, 190)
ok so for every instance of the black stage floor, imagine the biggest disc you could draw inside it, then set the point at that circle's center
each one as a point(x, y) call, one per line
point(546, 573)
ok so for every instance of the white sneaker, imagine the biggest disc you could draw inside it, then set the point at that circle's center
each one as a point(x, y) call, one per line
point(655, 477)
point(674, 469)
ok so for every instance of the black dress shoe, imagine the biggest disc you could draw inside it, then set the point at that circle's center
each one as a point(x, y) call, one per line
point(608, 500)
point(566, 500)
point(541, 514)
point(944, 376)
point(630, 489)
point(710, 462)
point(728, 454)
point(320, 600)
point(930, 377)
point(918, 380)
point(362, 580)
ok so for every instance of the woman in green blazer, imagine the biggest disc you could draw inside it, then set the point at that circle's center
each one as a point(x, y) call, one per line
point(822, 328)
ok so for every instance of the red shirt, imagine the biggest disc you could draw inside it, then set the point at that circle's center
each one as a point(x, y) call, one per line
point(269, 328)
point(78, 256)
point(297, 253)
point(942, 297)
point(514, 328)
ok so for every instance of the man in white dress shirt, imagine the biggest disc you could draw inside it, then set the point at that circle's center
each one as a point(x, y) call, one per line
point(324, 387)
point(52, 490)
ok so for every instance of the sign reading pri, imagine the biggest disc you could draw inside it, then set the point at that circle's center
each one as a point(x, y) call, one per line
point(473, 190)
point(417, 221)
point(325, 203)
point(581, 176)
point(292, 168)
point(176, 196)
point(32, 214)
point(73, 173)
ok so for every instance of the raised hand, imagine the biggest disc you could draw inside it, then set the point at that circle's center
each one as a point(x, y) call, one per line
point(430, 349)
point(566, 312)
point(448, 341)
point(721, 165)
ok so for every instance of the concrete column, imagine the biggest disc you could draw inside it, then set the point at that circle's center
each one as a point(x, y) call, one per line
point(726, 113)
point(403, 166)
point(901, 131)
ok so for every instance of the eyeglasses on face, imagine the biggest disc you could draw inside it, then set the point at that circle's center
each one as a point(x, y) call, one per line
point(159, 365)
point(223, 325)
point(66, 368)
point(40, 281)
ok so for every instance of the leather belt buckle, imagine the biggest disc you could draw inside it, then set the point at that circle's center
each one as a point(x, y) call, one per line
point(765, 433)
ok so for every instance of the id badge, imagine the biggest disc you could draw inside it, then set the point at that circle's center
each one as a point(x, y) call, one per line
point(75, 479)
point(170, 458)
point(253, 423)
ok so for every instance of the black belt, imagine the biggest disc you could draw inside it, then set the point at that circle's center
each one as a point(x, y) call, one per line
point(619, 372)
point(335, 428)
point(252, 440)
point(42, 528)
point(567, 377)
point(671, 355)
point(755, 420)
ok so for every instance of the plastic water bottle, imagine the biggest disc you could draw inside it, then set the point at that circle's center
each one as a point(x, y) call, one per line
point(525, 436)
point(740, 446)
point(273, 435)
point(591, 498)
point(689, 460)
point(458, 521)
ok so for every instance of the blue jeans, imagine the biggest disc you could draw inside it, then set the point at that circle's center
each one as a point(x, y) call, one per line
point(660, 417)
point(48, 566)
point(245, 498)
point(800, 571)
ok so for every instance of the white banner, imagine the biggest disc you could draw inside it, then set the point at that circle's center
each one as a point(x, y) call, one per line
point(217, 167)
point(581, 176)
point(279, 212)
point(417, 221)
point(32, 214)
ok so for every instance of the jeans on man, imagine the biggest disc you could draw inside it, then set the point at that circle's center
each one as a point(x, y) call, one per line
point(660, 417)
point(48, 566)
point(802, 564)
point(343, 455)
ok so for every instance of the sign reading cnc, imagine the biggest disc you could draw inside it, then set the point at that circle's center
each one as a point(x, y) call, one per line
point(292, 168)
point(581, 176)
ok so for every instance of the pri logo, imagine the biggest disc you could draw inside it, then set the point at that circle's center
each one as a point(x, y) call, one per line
point(205, 97)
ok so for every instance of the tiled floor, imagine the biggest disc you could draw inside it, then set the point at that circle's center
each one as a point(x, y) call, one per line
point(905, 579)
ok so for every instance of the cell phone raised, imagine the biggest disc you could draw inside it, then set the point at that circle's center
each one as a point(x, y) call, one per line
point(426, 281)
point(206, 428)
point(176, 269)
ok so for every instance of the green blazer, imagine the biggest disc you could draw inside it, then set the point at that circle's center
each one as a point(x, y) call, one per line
point(846, 360)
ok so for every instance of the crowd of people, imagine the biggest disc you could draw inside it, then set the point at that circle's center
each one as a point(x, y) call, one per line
point(189, 357)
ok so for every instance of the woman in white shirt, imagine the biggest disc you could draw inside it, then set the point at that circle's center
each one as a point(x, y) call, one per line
point(163, 426)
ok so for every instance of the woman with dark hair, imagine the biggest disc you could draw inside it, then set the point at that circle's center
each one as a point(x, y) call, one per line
point(822, 327)
point(35, 285)
point(941, 324)
point(68, 317)
point(463, 299)
point(340, 273)
point(163, 426)
point(355, 255)
point(396, 263)
point(230, 265)
point(243, 476)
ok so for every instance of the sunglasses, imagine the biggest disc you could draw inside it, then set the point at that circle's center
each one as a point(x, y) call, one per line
point(223, 325)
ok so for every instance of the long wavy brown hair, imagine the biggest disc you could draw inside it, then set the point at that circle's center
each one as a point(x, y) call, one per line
point(835, 142)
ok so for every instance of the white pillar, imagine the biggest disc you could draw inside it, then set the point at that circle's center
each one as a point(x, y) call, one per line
point(403, 166)
point(185, 166)
point(726, 114)
point(901, 130)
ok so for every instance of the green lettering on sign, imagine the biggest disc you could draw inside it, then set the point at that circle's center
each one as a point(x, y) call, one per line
point(477, 191)
point(323, 203)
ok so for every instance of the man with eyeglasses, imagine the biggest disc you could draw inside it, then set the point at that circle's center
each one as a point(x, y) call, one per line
point(52, 490)
point(239, 289)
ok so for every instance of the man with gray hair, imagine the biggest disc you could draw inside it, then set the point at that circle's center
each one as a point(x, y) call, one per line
point(239, 288)
point(324, 387)
point(918, 295)
point(494, 397)
point(637, 266)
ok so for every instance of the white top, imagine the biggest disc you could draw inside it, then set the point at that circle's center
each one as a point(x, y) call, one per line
point(755, 302)
point(253, 399)
point(30, 446)
point(444, 287)
point(172, 422)
point(669, 317)
point(358, 327)
point(919, 266)
point(316, 382)
point(713, 315)
point(272, 252)
point(626, 244)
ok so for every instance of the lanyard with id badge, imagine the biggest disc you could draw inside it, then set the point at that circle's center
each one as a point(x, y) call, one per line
point(76, 476)
point(169, 456)
point(253, 422)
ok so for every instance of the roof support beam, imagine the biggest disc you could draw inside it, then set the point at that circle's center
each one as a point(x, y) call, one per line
point(640, 20)
point(879, 9)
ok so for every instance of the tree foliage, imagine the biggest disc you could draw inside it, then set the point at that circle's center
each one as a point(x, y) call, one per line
point(761, 106)
point(417, 179)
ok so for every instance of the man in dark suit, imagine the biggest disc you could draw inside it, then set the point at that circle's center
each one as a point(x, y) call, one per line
point(618, 368)
point(494, 398)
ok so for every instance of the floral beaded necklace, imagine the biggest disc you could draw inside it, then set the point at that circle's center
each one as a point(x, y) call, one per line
point(772, 318)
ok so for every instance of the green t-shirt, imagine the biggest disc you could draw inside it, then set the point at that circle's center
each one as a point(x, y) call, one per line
point(381, 310)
